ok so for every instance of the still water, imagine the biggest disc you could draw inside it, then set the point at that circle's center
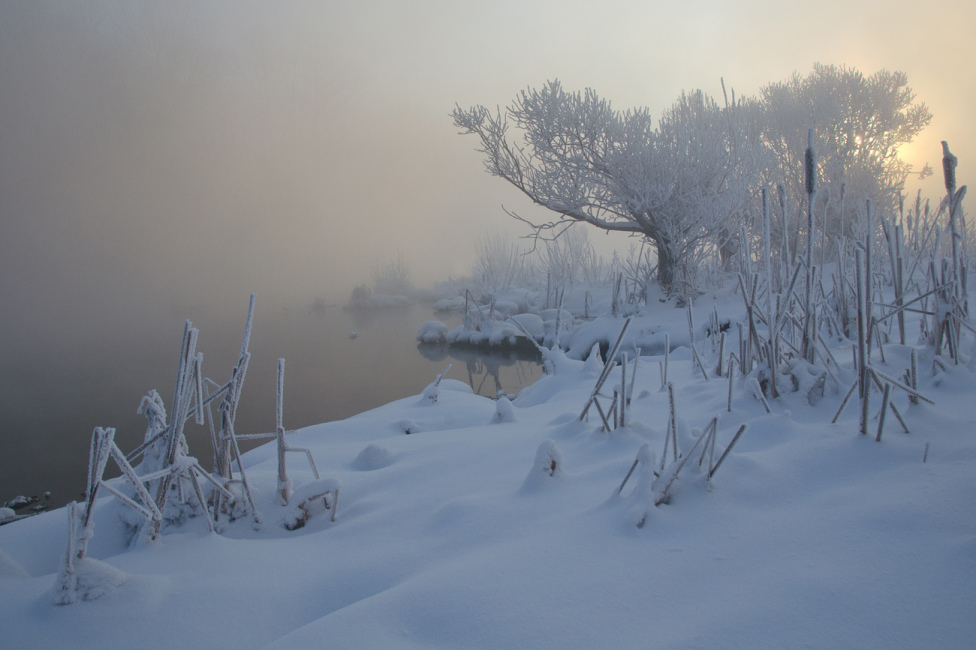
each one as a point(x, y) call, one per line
point(337, 364)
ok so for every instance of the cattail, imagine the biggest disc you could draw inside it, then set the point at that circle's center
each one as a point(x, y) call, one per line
point(949, 168)
point(811, 163)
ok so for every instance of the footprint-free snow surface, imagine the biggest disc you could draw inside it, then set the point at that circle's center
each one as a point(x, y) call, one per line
point(499, 525)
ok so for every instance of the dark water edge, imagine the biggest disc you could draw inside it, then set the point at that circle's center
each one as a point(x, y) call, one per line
point(337, 364)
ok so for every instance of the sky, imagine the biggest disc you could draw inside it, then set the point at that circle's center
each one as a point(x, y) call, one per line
point(160, 161)
point(284, 149)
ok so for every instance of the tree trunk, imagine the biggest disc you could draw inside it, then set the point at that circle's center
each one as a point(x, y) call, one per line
point(667, 264)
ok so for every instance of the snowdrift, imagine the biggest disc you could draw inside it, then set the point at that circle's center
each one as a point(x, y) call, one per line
point(497, 525)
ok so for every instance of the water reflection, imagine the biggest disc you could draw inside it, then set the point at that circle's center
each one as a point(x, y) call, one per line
point(520, 367)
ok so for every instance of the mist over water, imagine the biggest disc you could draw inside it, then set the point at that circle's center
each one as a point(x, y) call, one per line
point(159, 163)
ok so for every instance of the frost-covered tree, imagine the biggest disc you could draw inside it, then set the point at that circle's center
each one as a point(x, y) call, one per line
point(393, 278)
point(680, 182)
point(860, 124)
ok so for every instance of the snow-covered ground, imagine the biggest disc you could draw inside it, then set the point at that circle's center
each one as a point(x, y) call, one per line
point(466, 533)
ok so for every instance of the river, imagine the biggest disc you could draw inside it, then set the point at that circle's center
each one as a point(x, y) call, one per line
point(337, 363)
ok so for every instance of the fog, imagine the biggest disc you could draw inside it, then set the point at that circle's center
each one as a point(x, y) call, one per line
point(161, 161)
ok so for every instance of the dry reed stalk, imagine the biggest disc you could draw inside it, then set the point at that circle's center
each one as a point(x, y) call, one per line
point(884, 408)
point(913, 375)
point(725, 453)
point(810, 168)
point(897, 384)
point(629, 472)
point(861, 325)
point(731, 359)
point(667, 356)
point(719, 370)
point(667, 486)
point(673, 424)
point(843, 402)
point(623, 390)
point(284, 483)
point(607, 367)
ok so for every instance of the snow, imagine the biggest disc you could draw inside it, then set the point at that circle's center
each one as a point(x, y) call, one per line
point(10, 569)
point(432, 332)
point(531, 324)
point(497, 524)
point(449, 304)
point(92, 580)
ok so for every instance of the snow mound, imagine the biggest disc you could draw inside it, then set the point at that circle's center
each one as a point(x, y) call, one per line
point(374, 456)
point(92, 579)
point(457, 386)
point(506, 308)
point(532, 324)
point(548, 465)
point(450, 304)
point(9, 569)
point(432, 331)
point(641, 502)
point(311, 499)
point(593, 365)
point(408, 427)
point(504, 411)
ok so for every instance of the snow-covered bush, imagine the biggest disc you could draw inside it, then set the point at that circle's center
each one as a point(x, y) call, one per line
point(432, 332)
point(500, 264)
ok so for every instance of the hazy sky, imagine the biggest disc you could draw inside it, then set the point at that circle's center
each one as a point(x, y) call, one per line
point(159, 160)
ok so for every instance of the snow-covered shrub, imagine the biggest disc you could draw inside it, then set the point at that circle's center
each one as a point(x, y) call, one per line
point(360, 296)
point(570, 259)
point(312, 499)
point(91, 579)
point(500, 264)
point(154, 409)
point(432, 392)
point(408, 426)
point(432, 332)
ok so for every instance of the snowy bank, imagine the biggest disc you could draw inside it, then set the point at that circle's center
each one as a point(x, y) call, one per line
point(504, 525)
